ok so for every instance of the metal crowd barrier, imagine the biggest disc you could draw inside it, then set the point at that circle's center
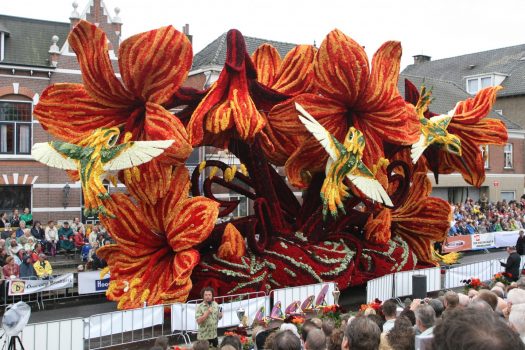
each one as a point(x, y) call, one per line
point(61, 335)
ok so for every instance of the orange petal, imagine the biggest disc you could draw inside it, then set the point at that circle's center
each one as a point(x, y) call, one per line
point(296, 74)
point(162, 125)
point(69, 113)
point(474, 109)
point(341, 68)
point(267, 62)
point(197, 121)
point(191, 222)
point(248, 121)
point(232, 246)
point(176, 192)
point(183, 265)
point(91, 46)
point(422, 220)
point(154, 183)
point(377, 229)
point(154, 64)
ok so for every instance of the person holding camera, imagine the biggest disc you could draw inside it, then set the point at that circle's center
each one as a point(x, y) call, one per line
point(207, 316)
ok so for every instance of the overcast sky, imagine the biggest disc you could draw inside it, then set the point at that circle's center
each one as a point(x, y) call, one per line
point(439, 28)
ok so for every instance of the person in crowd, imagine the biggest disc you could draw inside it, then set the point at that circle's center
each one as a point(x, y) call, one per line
point(450, 301)
point(380, 321)
point(84, 252)
point(27, 270)
point(307, 326)
point(12, 245)
point(315, 340)
point(4, 221)
point(408, 313)
point(520, 243)
point(11, 269)
point(517, 320)
point(512, 266)
point(24, 239)
point(65, 238)
point(51, 233)
point(93, 235)
point(290, 327)
point(38, 232)
point(336, 339)
point(437, 305)
point(14, 220)
point(400, 337)
point(3, 257)
point(97, 263)
point(389, 309)
point(39, 249)
point(286, 340)
point(425, 319)
point(19, 257)
point(78, 226)
point(21, 228)
point(232, 341)
point(43, 267)
point(516, 296)
point(27, 217)
point(361, 333)
point(78, 240)
point(207, 315)
point(490, 298)
point(328, 327)
point(30, 245)
point(203, 345)
point(472, 328)
point(162, 342)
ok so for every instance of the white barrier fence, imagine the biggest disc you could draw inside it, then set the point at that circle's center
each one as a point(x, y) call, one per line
point(55, 335)
point(403, 281)
point(380, 288)
point(484, 270)
point(288, 295)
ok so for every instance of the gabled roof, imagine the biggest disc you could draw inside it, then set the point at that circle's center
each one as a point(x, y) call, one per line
point(508, 61)
point(446, 94)
point(215, 53)
point(29, 40)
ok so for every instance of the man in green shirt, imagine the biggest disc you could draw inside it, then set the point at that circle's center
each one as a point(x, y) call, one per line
point(207, 316)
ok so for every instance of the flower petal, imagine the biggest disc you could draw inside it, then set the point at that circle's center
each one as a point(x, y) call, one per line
point(341, 68)
point(154, 182)
point(162, 125)
point(472, 110)
point(296, 73)
point(377, 228)
point(154, 64)
point(176, 192)
point(91, 46)
point(69, 113)
point(197, 121)
point(232, 246)
point(267, 62)
point(183, 265)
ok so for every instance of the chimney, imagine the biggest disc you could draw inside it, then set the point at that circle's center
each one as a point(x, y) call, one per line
point(74, 18)
point(117, 22)
point(418, 59)
point(186, 31)
point(54, 51)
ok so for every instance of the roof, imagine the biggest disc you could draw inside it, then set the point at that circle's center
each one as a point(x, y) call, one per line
point(215, 53)
point(446, 94)
point(508, 61)
point(29, 40)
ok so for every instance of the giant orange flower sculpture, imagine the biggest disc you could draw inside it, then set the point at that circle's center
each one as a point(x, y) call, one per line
point(470, 124)
point(350, 95)
point(154, 254)
point(153, 65)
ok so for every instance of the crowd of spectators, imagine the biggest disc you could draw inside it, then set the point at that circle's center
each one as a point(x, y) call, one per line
point(25, 245)
point(483, 216)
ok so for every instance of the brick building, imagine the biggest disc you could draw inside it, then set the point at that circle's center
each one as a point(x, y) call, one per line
point(33, 55)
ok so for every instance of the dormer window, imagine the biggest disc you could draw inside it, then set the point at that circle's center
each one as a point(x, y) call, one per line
point(478, 82)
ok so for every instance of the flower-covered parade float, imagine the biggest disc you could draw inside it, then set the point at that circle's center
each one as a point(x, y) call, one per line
point(333, 119)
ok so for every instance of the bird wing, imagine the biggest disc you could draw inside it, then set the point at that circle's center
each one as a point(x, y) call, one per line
point(365, 181)
point(137, 153)
point(44, 152)
point(442, 120)
point(319, 132)
point(418, 148)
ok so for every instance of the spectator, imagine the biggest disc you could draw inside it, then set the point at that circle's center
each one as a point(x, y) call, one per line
point(401, 336)
point(361, 334)
point(389, 308)
point(78, 226)
point(26, 268)
point(24, 239)
point(51, 238)
point(96, 262)
point(11, 269)
point(13, 247)
point(21, 228)
point(84, 253)
point(14, 221)
point(232, 341)
point(450, 301)
point(93, 235)
point(471, 328)
point(516, 296)
point(27, 217)
point(202, 345)
point(161, 342)
point(315, 340)
point(289, 327)
point(43, 267)
point(65, 238)
point(409, 314)
point(425, 319)
point(286, 340)
point(78, 240)
point(307, 326)
point(520, 243)
point(437, 305)
point(517, 320)
point(336, 339)
point(38, 231)
point(512, 266)
point(328, 327)
point(4, 222)
point(19, 257)
point(207, 316)
point(378, 320)
point(39, 249)
point(30, 245)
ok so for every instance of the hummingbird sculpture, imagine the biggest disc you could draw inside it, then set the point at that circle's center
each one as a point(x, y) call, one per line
point(95, 158)
point(434, 130)
point(344, 161)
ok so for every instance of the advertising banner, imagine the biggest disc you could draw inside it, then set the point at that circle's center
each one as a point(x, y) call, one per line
point(23, 287)
point(505, 238)
point(91, 282)
point(482, 241)
point(457, 244)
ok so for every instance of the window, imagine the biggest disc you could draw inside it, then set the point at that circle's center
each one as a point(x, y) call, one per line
point(507, 156)
point(478, 83)
point(500, 111)
point(485, 155)
point(14, 197)
point(508, 195)
point(15, 127)
point(242, 208)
